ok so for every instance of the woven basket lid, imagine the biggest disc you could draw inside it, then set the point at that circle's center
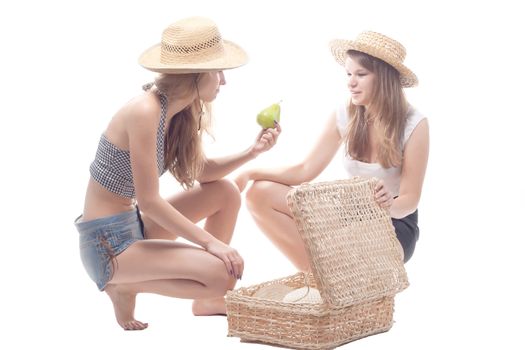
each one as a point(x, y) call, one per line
point(353, 250)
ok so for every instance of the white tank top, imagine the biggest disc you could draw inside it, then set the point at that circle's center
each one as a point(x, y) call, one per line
point(391, 176)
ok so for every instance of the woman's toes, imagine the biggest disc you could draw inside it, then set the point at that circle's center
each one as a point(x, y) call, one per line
point(135, 326)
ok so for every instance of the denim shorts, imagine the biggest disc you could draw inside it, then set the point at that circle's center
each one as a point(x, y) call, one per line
point(407, 233)
point(101, 240)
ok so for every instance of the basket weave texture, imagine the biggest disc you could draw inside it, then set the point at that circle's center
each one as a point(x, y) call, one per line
point(356, 264)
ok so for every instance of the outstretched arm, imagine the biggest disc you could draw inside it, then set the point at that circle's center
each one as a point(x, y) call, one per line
point(217, 168)
point(315, 162)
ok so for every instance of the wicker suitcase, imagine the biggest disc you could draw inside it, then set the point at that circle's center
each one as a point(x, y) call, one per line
point(356, 264)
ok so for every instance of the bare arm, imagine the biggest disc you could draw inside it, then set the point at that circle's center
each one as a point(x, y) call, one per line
point(143, 153)
point(315, 162)
point(217, 168)
point(414, 166)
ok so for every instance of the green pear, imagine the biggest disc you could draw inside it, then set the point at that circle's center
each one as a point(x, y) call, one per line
point(266, 117)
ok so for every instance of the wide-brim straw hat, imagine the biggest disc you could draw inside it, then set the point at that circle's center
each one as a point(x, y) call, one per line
point(379, 46)
point(192, 45)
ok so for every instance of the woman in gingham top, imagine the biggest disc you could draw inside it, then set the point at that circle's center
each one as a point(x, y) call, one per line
point(127, 251)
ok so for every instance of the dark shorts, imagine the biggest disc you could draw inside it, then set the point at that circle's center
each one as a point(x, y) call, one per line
point(407, 233)
point(101, 240)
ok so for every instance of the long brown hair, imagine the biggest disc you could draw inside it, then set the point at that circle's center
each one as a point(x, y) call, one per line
point(183, 151)
point(388, 109)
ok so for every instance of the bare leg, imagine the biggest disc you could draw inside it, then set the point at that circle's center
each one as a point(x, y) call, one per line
point(266, 202)
point(167, 268)
point(218, 202)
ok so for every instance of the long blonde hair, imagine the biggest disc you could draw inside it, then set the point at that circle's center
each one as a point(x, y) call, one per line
point(183, 151)
point(388, 108)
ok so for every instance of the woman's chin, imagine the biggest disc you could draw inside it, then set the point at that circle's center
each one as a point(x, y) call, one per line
point(356, 101)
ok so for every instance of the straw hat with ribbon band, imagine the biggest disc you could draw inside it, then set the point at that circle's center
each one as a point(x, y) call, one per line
point(379, 46)
point(192, 45)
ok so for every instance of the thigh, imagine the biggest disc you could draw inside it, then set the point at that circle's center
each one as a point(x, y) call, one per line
point(204, 199)
point(198, 203)
point(270, 194)
point(156, 259)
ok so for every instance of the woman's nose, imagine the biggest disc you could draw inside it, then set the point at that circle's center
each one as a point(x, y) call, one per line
point(222, 79)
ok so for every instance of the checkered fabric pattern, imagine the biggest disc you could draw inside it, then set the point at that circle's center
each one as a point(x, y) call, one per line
point(112, 166)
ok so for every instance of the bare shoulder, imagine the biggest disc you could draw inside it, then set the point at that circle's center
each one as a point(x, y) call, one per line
point(140, 114)
point(420, 133)
point(142, 109)
point(417, 146)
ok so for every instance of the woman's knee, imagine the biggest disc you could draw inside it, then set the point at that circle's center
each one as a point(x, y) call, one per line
point(259, 195)
point(228, 192)
point(219, 278)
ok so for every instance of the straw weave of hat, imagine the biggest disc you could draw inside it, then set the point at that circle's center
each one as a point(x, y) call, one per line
point(192, 45)
point(379, 46)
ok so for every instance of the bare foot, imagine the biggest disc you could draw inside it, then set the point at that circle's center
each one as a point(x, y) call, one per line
point(209, 307)
point(124, 306)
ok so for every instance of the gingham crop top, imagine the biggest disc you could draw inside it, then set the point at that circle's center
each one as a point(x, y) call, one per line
point(112, 166)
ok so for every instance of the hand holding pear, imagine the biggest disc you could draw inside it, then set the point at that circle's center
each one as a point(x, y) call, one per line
point(267, 116)
point(268, 119)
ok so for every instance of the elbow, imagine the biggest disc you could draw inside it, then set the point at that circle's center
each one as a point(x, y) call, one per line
point(400, 213)
point(404, 206)
point(147, 204)
point(306, 173)
point(206, 173)
point(296, 175)
point(204, 179)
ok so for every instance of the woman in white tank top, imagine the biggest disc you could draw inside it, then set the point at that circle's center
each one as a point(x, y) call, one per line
point(383, 136)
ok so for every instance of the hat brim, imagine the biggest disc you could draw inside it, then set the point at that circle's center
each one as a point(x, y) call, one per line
point(340, 48)
point(234, 56)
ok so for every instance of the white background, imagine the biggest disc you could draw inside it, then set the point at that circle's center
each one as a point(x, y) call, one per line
point(66, 67)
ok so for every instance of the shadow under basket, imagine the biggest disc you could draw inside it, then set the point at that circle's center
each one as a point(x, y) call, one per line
point(356, 264)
